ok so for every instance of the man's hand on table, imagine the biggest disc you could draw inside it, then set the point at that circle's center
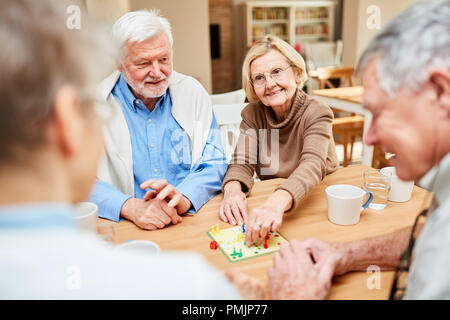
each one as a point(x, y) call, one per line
point(149, 215)
point(295, 275)
point(162, 190)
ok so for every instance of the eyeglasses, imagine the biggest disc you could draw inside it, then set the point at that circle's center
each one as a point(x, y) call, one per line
point(400, 278)
point(275, 74)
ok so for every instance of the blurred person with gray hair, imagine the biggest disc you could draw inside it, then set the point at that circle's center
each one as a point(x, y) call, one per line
point(164, 155)
point(406, 77)
point(51, 144)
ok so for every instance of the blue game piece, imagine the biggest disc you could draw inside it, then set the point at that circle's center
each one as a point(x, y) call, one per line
point(243, 228)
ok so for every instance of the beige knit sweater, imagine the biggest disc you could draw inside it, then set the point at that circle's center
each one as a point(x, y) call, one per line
point(301, 148)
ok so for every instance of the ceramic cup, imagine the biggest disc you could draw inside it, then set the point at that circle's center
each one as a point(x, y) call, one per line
point(86, 215)
point(400, 190)
point(140, 246)
point(345, 203)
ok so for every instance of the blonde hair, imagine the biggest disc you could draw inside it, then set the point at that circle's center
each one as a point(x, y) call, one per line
point(260, 48)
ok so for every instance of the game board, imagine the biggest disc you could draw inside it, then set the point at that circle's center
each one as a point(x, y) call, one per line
point(231, 242)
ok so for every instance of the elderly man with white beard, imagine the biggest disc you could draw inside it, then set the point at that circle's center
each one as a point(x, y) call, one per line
point(163, 151)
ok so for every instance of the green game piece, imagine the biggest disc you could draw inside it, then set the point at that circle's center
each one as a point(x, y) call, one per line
point(256, 252)
point(240, 253)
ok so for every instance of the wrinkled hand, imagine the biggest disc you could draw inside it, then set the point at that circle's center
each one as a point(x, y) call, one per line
point(149, 215)
point(294, 275)
point(162, 190)
point(249, 287)
point(320, 250)
point(261, 220)
point(234, 205)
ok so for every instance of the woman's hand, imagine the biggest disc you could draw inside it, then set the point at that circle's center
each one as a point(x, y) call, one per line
point(267, 217)
point(234, 205)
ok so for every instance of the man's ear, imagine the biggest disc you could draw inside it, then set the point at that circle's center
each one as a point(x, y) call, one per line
point(67, 125)
point(440, 80)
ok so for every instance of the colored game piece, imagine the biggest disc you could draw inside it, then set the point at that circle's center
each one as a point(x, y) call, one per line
point(218, 229)
point(213, 245)
point(243, 228)
point(267, 236)
point(232, 244)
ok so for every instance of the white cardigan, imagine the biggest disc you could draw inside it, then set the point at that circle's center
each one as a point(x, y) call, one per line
point(191, 108)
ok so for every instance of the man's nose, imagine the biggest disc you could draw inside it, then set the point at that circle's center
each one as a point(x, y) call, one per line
point(155, 70)
point(372, 137)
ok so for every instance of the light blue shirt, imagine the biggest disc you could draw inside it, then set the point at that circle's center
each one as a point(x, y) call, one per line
point(44, 256)
point(161, 150)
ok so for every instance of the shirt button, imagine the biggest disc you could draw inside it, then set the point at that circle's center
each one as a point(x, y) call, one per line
point(155, 171)
point(152, 145)
point(149, 120)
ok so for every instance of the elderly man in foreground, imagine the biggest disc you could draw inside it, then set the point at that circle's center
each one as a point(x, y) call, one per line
point(163, 151)
point(406, 78)
point(51, 145)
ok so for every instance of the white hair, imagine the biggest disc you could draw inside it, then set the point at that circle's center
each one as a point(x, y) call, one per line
point(410, 45)
point(138, 26)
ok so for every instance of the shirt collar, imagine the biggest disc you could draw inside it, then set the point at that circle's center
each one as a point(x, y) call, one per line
point(38, 215)
point(436, 180)
point(133, 101)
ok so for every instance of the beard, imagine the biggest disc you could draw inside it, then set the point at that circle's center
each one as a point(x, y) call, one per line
point(142, 91)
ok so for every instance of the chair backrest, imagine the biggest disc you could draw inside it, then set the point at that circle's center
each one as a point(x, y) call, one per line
point(325, 74)
point(228, 118)
point(237, 96)
point(323, 54)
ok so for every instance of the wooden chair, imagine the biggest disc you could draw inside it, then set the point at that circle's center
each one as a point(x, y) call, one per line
point(345, 129)
point(379, 158)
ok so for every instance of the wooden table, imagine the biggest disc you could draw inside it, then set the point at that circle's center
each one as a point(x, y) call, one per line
point(348, 99)
point(310, 220)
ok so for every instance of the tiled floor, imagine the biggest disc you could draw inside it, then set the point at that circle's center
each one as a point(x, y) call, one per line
point(357, 153)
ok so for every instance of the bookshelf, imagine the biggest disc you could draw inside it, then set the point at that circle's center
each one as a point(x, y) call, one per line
point(296, 22)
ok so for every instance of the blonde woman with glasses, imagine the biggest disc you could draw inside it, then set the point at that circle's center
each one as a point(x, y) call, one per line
point(284, 134)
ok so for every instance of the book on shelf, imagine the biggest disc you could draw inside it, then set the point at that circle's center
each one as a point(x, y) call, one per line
point(269, 14)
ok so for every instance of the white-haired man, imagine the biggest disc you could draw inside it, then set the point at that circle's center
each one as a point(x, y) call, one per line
point(163, 136)
point(406, 78)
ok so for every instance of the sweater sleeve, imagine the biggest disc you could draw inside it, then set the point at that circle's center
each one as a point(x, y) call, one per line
point(242, 166)
point(313, 160)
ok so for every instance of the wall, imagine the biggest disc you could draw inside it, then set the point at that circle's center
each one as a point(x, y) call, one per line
point(356, 34)
point(107, 11)
point(190, 28)
point(223, 68)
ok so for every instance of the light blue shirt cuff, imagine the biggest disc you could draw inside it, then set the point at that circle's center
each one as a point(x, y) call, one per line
point(109, 201)
point(198, 194)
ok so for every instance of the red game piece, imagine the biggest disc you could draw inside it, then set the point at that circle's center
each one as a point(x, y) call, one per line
point(213, 245)
point(267, 236)
point(265, 244)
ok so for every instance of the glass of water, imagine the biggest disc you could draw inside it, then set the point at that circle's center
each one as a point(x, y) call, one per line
point(379, 185)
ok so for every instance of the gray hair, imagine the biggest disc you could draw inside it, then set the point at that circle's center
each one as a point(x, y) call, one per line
point(409, 45)
point(39, 55)
point(138, 26)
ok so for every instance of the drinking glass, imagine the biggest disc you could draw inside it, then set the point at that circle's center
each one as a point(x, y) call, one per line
point(379, 185)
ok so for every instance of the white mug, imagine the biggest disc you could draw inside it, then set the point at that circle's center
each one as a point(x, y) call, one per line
point(86, 215)
point(400, 190)
point(345, 203)
point(140, 246)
